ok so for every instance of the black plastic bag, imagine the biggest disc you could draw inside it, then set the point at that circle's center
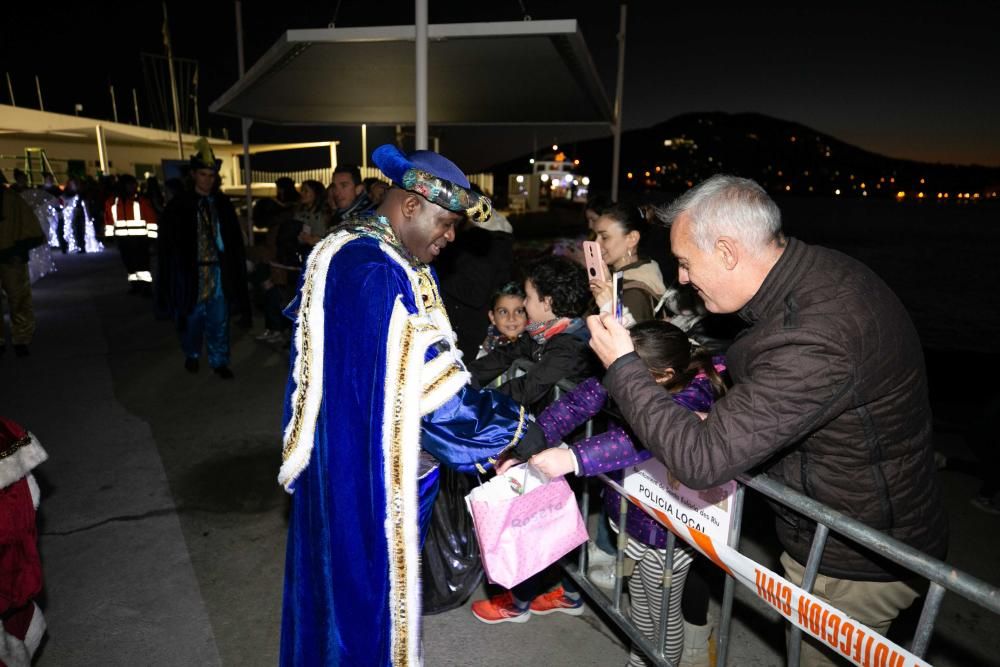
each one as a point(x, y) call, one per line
point(451, 565)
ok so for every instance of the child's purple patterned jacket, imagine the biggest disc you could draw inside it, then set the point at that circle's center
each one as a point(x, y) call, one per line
point(613, 450)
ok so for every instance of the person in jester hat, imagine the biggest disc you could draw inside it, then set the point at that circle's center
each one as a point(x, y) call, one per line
point(202, 268)
point(377, 397)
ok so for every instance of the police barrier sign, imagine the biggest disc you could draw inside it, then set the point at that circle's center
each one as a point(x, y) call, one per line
point(853, 640)
point(707, 511)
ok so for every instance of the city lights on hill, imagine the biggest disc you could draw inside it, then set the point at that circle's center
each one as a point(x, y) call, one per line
point(806, 173)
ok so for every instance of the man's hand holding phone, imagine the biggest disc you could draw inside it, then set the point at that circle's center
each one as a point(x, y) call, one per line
point(608, 338)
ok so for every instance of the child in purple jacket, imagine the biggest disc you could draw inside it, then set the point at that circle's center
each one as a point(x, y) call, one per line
point(695, 381)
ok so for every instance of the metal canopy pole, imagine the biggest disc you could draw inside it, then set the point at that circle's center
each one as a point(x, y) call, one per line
point(38, 87)
point(616, 129)
point(421, 74)
point(173, 83)
point(102, 150)
point(245, 124)
point(135, 105)
point(364, 146)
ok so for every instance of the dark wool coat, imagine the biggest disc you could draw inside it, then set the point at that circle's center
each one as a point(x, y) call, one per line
point(177, 290)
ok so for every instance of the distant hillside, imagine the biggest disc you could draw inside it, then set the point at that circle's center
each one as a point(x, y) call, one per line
point(783, 156)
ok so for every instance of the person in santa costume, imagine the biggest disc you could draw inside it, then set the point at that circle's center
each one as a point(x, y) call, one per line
point(20, 567)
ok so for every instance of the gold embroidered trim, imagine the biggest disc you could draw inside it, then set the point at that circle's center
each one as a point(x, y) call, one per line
point(14, 446)
point(394, 508)
point(520, 430)
point(302, 380)
point(513, 443)
point(441, 379)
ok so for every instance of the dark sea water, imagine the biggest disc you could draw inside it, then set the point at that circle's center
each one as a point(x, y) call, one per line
point(942, 261)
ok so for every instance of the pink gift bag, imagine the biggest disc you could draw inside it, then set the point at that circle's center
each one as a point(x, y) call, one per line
point(524, 522)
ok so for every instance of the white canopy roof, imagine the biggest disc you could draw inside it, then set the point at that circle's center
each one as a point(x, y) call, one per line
point(519, 72)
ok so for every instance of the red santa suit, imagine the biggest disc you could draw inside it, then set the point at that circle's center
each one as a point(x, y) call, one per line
point(20, 567)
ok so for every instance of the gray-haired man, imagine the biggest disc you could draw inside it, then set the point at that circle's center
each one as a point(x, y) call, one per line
point(829, 396)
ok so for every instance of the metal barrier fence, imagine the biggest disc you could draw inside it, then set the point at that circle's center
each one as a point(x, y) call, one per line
point(942, 577)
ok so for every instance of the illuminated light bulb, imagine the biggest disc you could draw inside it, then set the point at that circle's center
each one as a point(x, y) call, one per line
point(586, 180)
point(628, 175)
point(531, 161)
point(545, 178)
point(520, 178)
point(555, 147)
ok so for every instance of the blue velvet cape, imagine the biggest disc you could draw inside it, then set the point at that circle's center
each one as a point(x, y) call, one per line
point(340, 605)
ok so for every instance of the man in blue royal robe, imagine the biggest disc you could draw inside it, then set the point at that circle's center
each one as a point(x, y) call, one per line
point(377, 397)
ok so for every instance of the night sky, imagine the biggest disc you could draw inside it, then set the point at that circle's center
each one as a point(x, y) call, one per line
point(907, 80)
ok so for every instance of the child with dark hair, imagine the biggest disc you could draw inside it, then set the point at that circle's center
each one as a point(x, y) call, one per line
point(508, 319)
point(556, 298)
point(695, 380)
point(556, 342)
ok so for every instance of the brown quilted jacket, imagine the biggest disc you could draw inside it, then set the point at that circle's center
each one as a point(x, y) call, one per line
point(829, 398)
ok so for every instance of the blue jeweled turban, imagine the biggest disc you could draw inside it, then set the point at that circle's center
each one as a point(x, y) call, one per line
point(435, 178)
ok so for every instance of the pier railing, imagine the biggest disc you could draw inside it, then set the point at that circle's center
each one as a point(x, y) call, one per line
point(862, 646)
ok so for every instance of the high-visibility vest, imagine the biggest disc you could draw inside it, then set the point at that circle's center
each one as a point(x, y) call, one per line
point(135, 226)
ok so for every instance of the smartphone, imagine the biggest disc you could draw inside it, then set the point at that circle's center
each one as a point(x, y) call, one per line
point(595, 262)
point(617, 290)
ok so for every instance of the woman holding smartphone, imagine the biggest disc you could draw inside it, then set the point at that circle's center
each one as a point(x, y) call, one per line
point(619, 231)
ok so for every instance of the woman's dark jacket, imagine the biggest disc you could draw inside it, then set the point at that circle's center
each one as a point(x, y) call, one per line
point(829, 398)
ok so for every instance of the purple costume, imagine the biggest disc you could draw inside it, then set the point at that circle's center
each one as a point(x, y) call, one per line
point(613, 450)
